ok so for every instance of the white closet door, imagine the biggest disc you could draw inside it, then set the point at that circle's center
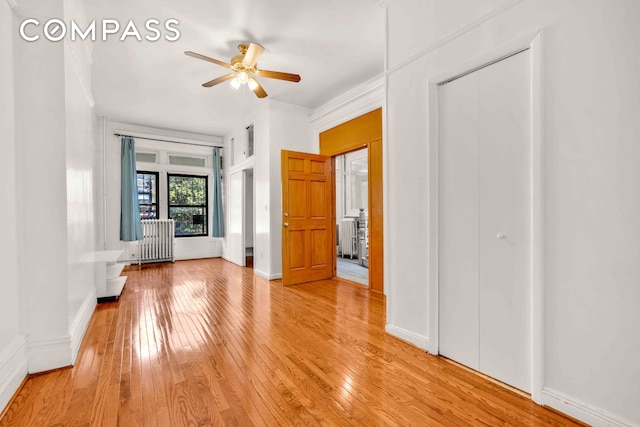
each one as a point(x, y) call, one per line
point(458, 220)
point(504, 218)
point(484, 221)
point(236, 217)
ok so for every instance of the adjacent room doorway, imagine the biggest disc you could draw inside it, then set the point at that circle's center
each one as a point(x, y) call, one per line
point(352, 214)
point(241, 232)
point(361, 132)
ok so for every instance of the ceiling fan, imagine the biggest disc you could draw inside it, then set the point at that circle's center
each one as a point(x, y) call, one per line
point(245, 69)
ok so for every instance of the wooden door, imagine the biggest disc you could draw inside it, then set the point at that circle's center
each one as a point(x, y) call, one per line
point(308, 225)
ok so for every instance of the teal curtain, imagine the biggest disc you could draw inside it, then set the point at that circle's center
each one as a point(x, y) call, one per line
point(217, 214)
point(130, 227)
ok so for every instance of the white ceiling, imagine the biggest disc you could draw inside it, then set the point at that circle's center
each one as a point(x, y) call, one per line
point(332, 44)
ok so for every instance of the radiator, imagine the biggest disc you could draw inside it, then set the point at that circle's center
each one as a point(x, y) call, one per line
point(157, 241)
point(348, 237)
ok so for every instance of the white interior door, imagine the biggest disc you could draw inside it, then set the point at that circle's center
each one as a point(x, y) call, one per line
point(458, 224)
point(236, 218)
point(485, 223)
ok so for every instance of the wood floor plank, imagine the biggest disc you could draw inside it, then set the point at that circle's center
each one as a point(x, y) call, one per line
point(206, 342)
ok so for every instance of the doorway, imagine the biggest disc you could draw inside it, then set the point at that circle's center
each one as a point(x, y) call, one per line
point(241, 210)
point(484, 215)
point(249, 217)
point(364, 131)
point(299, 171)
point(352, 214)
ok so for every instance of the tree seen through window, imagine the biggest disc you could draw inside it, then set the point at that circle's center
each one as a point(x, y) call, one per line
point(188, 204)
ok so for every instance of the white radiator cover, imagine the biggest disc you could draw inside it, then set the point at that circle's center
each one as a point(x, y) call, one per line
point(348, 237)
point(157, 243)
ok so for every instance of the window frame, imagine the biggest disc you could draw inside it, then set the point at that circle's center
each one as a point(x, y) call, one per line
point(205, 206)
point(157, 203)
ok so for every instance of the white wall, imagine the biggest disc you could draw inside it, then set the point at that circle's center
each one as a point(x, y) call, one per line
point(79, 166)
point(13, 359)
point(277, 126)
point(290, 129)
point(262, 188)
point(591, 101)
point(42, 190)
point(108, 185)
point(46, 166)
point(46, 187)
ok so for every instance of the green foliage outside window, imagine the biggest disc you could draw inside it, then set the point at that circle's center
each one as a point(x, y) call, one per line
point(188, 204)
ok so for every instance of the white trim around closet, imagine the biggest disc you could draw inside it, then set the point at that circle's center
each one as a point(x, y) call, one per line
point(534, 43)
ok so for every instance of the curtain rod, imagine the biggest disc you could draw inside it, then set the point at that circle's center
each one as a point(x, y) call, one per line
point(211, 145)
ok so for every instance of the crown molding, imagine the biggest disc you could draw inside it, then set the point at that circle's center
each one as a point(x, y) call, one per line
point(353, 103)
point(360, 91)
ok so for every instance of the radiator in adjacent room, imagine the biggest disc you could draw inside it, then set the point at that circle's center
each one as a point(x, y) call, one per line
point(348, 237)
point(157, 241)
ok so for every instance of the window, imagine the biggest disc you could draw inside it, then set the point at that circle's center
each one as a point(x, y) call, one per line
point(187, 161)
point(148, 194)
point(146, 157)
point(250, 141)
point(188, 204)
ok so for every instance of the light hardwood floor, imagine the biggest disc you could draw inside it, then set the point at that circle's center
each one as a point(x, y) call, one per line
point(207, 343)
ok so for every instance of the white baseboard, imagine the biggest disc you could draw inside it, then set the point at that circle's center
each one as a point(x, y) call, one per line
point(267, 276)
point(48, 354)
point(411, 337)
point(81, 322)
point(581, 411)
point(13, 369)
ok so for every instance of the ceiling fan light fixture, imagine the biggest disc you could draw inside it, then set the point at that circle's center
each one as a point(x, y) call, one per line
point(243, 69)
point(243, 77)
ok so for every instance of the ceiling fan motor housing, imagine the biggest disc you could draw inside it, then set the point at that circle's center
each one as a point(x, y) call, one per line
point(237, 64)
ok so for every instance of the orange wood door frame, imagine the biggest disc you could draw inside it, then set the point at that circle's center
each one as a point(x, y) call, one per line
point(376, 233)
point(364, 132)
point(308, 221)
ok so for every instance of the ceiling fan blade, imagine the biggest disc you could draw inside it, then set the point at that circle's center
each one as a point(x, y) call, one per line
point(206, 58)
point(253, 54)
point(256, 88)
point(278, 75)
point(219, 80)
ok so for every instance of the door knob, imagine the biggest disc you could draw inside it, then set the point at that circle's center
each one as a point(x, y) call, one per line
point(286, 224)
